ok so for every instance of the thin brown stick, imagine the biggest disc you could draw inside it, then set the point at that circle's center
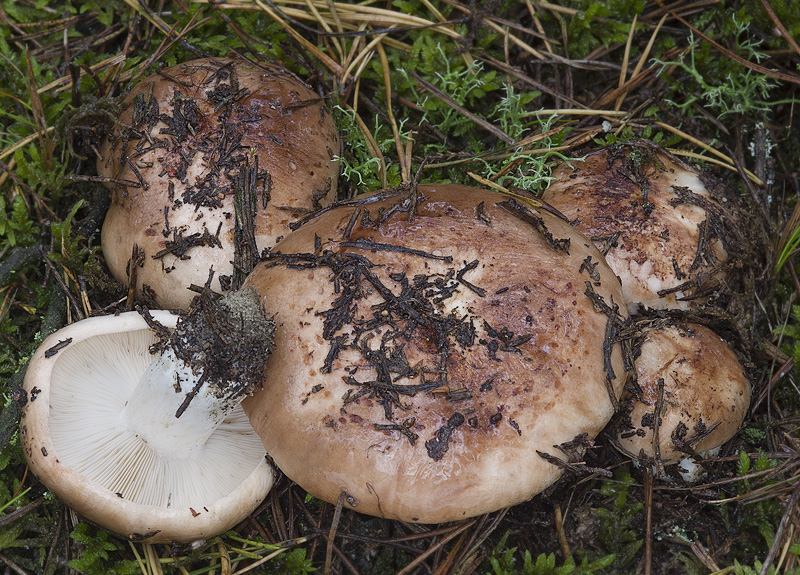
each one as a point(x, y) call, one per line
point(562, 537)
point(401, 157)
point(779, 25)
point(776, 542)
point(657, 428)
point(790, 78)
point(21, 512)
point(625, 58)
point(326, 60)
point(13, 566)
point(337, 515)
point(648, 520)
point(433, 548)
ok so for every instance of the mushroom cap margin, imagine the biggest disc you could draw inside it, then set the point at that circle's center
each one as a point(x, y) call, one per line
point(96, 503)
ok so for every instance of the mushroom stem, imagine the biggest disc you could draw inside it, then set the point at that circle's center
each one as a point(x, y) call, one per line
point(151, 413)
point(210, 363)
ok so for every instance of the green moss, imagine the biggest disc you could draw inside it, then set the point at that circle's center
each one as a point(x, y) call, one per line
point(503, 561)
point(99, 553)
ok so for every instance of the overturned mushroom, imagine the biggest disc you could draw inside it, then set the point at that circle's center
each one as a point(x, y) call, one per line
point(153, 448)
point(653, 218)
point(446, 351)
point(695, 394)
point(209, 163)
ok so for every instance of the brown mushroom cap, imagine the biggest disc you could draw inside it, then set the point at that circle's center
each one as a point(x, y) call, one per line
point(653, 215)
point(425, 352)
point(187, 139)
point(705, 398)
point(76, 386)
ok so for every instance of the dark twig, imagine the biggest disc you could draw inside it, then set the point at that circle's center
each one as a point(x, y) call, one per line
point(480, 122)
point(13, 566)
point(433, 548)
point(337, 514)
point(648, 518)
point(779, 25)
point(776, 542)
point(21, 512)
point(657, 428)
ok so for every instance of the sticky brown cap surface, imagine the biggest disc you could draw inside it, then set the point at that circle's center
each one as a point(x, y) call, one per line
point(706, 394)
point(188, 138)
point(423, 359)
point(652, 214)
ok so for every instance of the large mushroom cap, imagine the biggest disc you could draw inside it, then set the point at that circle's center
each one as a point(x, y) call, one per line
point(189, 139)
point(651, 215)
point(426, 351)
point(705, 394)
point(77, 383)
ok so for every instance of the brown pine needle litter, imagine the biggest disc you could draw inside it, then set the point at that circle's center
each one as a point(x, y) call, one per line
point(493, 94)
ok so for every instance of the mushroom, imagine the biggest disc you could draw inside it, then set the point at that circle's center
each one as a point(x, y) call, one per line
point(694, 380)
point(445, 353)
point(209, 163)
point(155, 449)
point(652, 216)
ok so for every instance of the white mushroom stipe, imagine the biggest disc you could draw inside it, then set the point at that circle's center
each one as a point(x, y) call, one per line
point(109, 452)
point(157, 423)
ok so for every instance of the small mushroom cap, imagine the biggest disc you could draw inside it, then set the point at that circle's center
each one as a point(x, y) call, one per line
point(705, 398)
point(187, 139)
point(647, 208)
point(76, 384)
point(425, 353)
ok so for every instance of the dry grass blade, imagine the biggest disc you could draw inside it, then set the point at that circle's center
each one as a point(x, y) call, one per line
point(624, 68)
point(405, 169)
point(373, 146)
point(170, 38)
point(326, 60)
point(640, 64)
point(435, 547)
point(518, 74)
point(337, 514)
point(350, 16)
point(776, 542)
point(43, 134)
point(20, 144)
point(727, 160)
point(65, 83)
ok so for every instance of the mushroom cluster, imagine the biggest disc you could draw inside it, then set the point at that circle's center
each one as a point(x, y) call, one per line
point(669, 240)
point(440, 351)
point(209, 163)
